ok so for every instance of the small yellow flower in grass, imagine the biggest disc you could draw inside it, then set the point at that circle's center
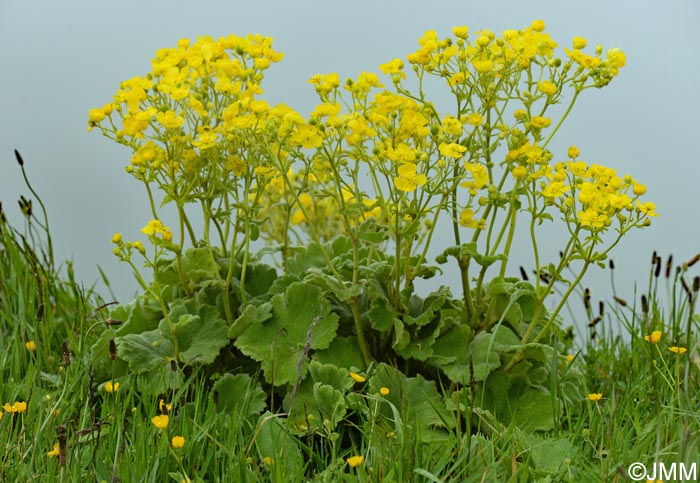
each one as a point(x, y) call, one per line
point(111, 387)
point(269, 460)
point(384, 391)
point(177, 442)
point(30, 345)
point(654, 337)
point(1, 415)
point(570, 358)
point(595, 396)
point(354, 461)
point(357, 377)
point(15, 407)
point(54, 452)
point(678, 350)
point(160, 421)
point(164, 407)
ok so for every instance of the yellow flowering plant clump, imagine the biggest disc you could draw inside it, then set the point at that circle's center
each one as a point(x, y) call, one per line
point(349, 201)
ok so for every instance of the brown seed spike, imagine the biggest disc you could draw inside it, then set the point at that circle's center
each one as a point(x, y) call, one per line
point(657, 269)
point(523, 274)
point(19, 158)
point(601, 308)
point(696, 284)
point(694, 260)
point(39, 313)
point(620, 301)
point(112, 349)
point(645, 304)
point(611, 264)
point(669, 265)
point(595, 322)
point(686, 289)
point(587, 298)
point(61, 432)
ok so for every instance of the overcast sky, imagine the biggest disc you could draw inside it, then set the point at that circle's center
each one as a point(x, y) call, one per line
point(59, 59)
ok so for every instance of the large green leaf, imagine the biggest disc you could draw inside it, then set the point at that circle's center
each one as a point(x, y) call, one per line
point(344, 352)
point(198, 264)
point(239, 392)
point(300, 316)
point(451, 353)
point(417, 400)
point(486, 350)
point(200, 335)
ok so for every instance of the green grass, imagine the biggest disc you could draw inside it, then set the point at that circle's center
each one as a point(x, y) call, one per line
point(650, 410)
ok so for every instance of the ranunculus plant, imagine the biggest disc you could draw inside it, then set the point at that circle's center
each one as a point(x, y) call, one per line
point(348, 201)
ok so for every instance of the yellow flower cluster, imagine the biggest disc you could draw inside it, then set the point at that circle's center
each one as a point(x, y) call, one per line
point(198, 128)
point(596, 194)
point(155, 228)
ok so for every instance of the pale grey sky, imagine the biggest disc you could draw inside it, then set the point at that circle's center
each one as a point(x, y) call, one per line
point(59, 59)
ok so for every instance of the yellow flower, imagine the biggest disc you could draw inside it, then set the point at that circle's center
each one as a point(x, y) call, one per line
point(384, 391)
point(268, 460)
point(647, 208)
point(474, 119)
point(111, 387)
point(573, 152)
point(538, 25)
point(30, 345)
point(117, 238)
point(16, 407)
point(547, 87)
point(580, 42)
point(163, 406)
point(394, 66)
point(555, 190)
point(357, 377)
point(595, 396)
point(354, 461)
point(519, 172)
point(177, 442)
point(570, 358)
point(678, 350)
point(452, 150)
point(461, 31)
point(654, 337)
point(408, 180)
point(539, 122)
point(160, 421)
point(55, 451)
point(639, 189)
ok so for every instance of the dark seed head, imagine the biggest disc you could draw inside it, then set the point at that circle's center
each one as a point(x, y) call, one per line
point(620, 301)
point(39, 312)
point(19, 158)
point(112, 349)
